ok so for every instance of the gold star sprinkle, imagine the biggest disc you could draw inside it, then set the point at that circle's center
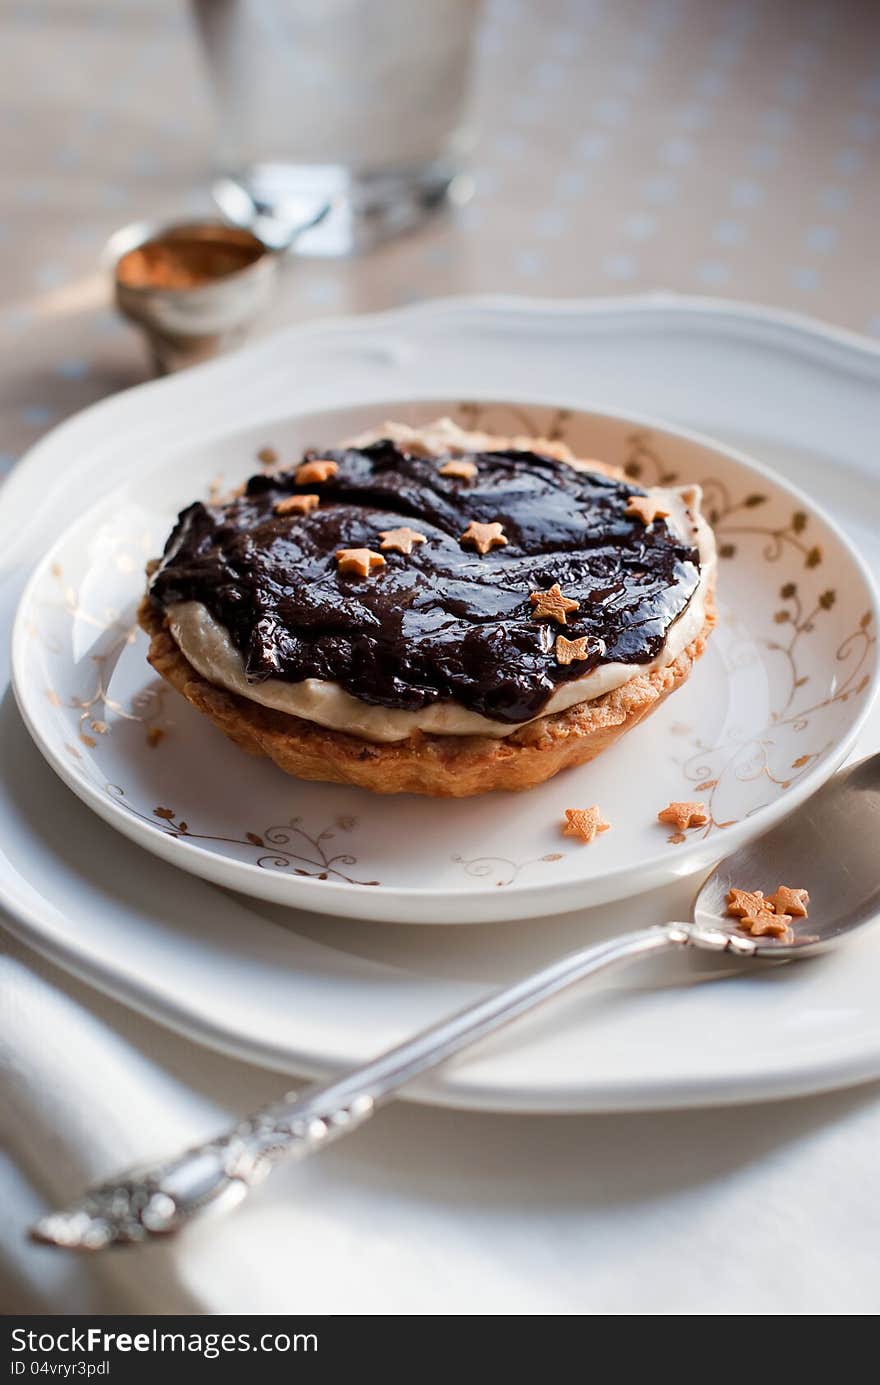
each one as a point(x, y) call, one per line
point(458, 467)
point(646, 508)
point(764, 923)
point(484, 536)
point(741, 903)
point(400, 540)
point(584, 823)
point(552, 603)
point(297, 504)
point(684, 815)
point(569, 650)
point(316, 472)
point(359, 562)
point(789, 901)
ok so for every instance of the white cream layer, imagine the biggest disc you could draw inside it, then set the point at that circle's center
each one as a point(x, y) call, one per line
point(207, 646)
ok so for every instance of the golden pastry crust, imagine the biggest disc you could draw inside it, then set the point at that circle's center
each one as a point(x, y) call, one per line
point(439, 766)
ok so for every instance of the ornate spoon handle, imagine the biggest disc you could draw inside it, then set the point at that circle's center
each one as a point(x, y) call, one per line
point(162, 1198)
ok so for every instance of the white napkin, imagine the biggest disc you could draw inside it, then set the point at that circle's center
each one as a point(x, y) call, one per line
point(758, 1210)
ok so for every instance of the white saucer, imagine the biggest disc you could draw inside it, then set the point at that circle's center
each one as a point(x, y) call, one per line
point(767, 715)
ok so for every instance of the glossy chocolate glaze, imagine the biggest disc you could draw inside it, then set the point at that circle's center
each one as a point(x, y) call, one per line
point(443, 622)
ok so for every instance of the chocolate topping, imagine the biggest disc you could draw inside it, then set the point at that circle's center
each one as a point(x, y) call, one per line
point(441, 622)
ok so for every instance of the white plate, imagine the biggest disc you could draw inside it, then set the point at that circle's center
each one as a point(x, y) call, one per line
point(767, 715)
point(307, 993)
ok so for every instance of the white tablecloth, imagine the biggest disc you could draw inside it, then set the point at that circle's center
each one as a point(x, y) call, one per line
point(767, 1209)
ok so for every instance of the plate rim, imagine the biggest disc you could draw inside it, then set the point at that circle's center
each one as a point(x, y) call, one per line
point(521, 899)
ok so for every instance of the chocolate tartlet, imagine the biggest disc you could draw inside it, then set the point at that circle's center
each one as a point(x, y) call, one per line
point(436, 613)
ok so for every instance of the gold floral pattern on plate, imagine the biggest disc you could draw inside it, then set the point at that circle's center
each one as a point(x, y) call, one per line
point(749, 758)
point(758, 755)
point(504, 870)
point(283, 846)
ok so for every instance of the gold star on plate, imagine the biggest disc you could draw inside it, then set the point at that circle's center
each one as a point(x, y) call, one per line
point(740, 903)
point(552, 603)
point(764, 923)
point(484, 536)
point(569, 650)
point(458, 467)
point(297, 504)
point(584, 823)
point(315, 472)
point(400, 540)
point(684, 815)
point(789, 901)
point(646, 508)
point(358, 562)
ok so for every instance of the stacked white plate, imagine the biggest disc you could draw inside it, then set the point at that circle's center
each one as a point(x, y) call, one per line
point(314, 963)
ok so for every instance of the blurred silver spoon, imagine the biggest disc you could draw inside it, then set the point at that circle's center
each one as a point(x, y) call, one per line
point(831, 845)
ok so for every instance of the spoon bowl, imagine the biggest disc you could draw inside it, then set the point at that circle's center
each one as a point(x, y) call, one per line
point(829, 846)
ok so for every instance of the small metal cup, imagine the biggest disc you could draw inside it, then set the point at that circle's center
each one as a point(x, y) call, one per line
point(191, 323)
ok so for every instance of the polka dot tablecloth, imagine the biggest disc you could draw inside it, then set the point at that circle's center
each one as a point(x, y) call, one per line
point(726, 147)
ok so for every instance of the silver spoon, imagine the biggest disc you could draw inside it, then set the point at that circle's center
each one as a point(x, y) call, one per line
point(830, 845)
